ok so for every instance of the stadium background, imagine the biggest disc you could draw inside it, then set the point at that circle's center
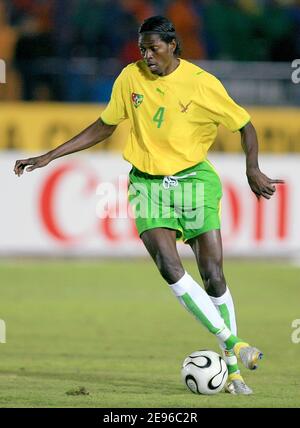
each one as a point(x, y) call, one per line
point(61, 60)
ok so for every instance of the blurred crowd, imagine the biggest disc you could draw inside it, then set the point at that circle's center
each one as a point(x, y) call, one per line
point(48, 45)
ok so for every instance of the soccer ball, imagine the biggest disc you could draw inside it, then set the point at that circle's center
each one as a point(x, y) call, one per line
point(204, 372)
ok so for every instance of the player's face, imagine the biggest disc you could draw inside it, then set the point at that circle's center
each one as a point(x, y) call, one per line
point(158, 55)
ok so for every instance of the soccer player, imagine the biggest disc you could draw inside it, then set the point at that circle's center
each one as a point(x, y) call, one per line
point(174, 108)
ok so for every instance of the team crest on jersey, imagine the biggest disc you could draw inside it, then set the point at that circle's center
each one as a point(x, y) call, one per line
point(137, 99)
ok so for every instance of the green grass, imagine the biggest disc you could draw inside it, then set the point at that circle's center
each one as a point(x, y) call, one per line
point(115, 329)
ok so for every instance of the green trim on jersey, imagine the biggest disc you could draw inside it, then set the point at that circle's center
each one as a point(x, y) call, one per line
point(188, 202)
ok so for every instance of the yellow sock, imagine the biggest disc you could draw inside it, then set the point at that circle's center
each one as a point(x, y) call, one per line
point(235, 376)
point(237, 347)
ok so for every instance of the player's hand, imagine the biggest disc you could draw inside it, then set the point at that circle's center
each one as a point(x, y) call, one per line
point(33, 163)
point(262, 185)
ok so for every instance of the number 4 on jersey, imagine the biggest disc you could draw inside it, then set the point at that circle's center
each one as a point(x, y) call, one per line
point(159, 116)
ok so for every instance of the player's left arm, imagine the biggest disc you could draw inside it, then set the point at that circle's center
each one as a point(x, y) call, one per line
point(260, 184)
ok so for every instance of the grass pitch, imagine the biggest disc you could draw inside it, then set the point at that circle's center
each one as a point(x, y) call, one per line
point(111, 334)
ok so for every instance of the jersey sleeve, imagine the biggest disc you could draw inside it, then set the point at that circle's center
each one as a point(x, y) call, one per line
point(115, 111)
point(220, 107)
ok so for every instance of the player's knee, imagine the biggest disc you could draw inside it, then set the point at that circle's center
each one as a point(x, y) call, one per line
point(214, 282)
point(172, 275)
point(169, 269)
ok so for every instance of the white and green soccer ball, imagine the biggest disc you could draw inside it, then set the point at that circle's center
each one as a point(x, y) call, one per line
point(204, 372)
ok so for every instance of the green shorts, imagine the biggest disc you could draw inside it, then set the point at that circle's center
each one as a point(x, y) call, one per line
point(188, 202)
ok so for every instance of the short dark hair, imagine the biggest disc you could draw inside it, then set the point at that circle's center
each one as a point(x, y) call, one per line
point(164, 28)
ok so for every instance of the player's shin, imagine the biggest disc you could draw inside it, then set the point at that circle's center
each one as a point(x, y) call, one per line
point(225, 306)
point(197, 301)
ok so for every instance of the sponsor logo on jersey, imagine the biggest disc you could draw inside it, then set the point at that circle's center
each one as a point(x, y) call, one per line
point(160, 91)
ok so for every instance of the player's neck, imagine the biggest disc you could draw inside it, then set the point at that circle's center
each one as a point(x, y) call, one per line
point(171, 67)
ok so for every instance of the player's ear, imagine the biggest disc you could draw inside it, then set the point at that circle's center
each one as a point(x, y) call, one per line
point(172, 46)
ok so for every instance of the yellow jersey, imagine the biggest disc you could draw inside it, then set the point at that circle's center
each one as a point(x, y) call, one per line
point(174, 118)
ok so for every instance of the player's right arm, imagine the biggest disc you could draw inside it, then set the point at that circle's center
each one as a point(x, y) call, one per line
point(93, 134)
